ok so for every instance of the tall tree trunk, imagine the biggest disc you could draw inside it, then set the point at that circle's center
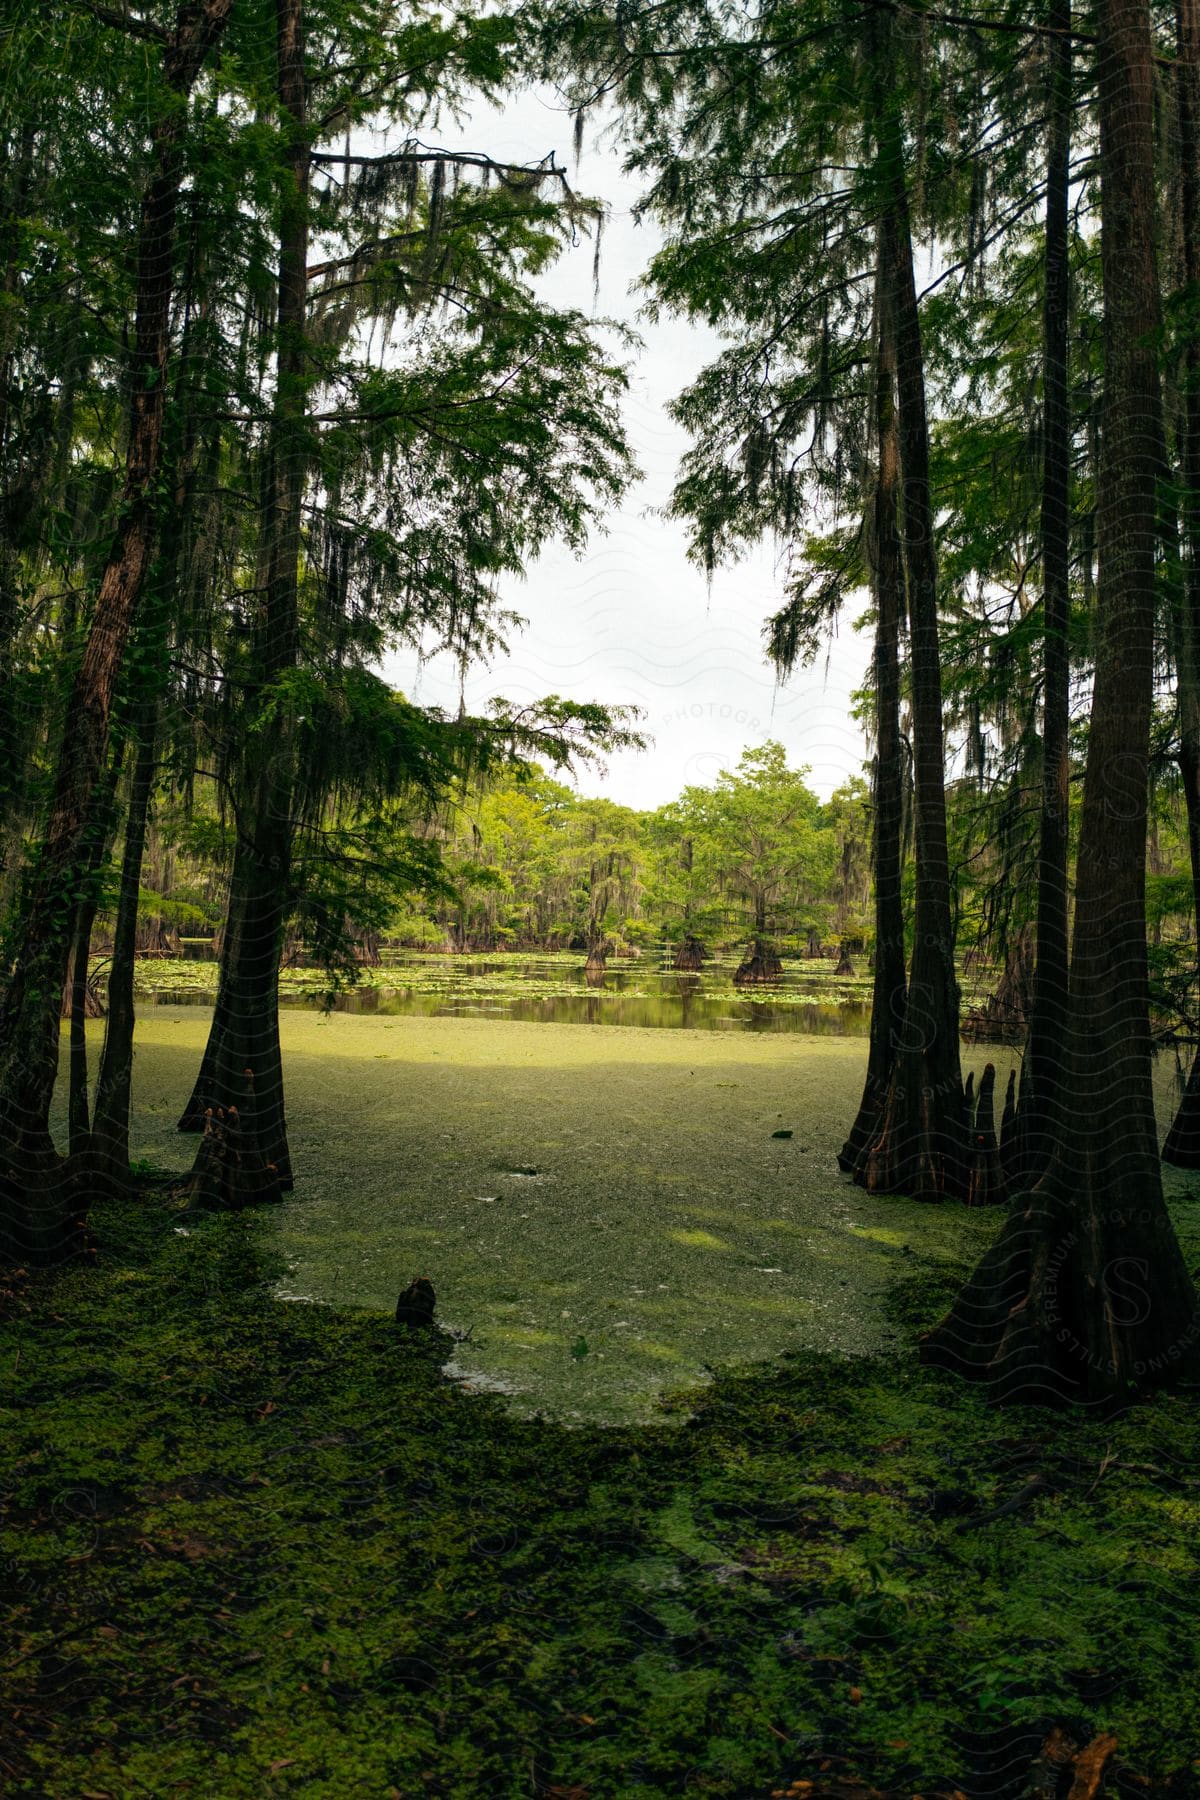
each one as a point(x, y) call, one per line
point(920, 1145)
point(35, 1209)
point(1086, 1294)
point(114, 1083)
point(204, 1088)
point(887, 581)
point(1182, 1146)
point(77, 1076)
point(79, 1001)
point(16, 183)
point(1046, 1043)
point(247, 1059)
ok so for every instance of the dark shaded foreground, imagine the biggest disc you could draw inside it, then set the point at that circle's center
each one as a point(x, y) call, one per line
point(264, 1549)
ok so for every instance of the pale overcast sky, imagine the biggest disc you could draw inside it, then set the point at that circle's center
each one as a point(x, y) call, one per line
point(633, 622)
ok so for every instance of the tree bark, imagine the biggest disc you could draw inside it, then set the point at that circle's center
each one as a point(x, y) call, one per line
point(760, 967)
point(1086, 1294)
point(78, 1115)
point(691, 955)
point(1182, 1146)
point(204, 1089)
point(114, 1083)
point(35, 1211)
point(985, 1186)
point(919, 1147)
point(1046, 1042)
point(887, 580)
point(246, 1057)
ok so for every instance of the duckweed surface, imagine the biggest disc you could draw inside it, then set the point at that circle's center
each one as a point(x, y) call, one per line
point(605, 1214)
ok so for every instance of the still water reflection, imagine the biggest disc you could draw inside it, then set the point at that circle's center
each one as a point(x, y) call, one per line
point(556, 990)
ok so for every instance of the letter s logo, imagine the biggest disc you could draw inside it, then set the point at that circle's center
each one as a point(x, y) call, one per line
point(1128, 1299)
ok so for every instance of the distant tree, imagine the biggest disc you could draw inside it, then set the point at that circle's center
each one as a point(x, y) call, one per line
point(764, 850)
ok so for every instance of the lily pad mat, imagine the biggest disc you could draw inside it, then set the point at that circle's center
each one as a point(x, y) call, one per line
point(665, 1228)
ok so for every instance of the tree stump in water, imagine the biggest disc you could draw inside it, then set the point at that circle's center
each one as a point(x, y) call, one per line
point(761, 968)
point(92, 1007)
point(414, 1308)
point(1004, 1016)
point(595, 968)
point(985, 1180)
point(366, 950)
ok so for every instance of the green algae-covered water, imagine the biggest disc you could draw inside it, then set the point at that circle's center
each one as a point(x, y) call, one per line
point(604, 1211)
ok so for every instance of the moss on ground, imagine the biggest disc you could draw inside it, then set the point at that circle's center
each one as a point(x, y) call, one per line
point(258, 1549)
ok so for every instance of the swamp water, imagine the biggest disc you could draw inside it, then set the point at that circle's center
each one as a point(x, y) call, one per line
point(553, 989)
point(605, 1212)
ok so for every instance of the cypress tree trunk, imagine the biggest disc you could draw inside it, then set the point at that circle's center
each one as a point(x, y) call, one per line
point(1048, 1017)
point(919, 1147)
point(204, 1089)
point(36, 1220)
point(1182, 1146)
point(691, 955)
point(1085, 1294)
point(78, 1116)
point(114, 1082)
point(110, 1125)
point(985, 1186)
point(246, 1059)
point(887, 580)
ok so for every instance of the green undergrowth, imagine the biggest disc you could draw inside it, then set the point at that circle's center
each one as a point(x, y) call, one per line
point(257, 1549)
